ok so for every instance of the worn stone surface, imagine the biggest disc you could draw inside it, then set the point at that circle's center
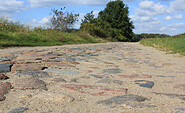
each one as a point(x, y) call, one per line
point(180, 86)
point(105, 76)
point(97, 76)
point(18, 110)
point(87, 55)
point(73, 80)
point(4, 89)
point(5, 68)
point(54, 97)
point(112, 71)
point(182, 97)
point(109, 81)
point(98, 90)
point(62, 71)
point(144, 83)
point(39, 74)
point(72, 59)
point(4, 59)
point(55, 64)
point(3, 76)
point(162, 76)
point(123, 99)
point(59, 80)
point(180, 110)
point(135, 76)
point(29, 83)
point(28, 67)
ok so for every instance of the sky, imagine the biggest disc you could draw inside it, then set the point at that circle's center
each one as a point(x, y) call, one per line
point(148, 16)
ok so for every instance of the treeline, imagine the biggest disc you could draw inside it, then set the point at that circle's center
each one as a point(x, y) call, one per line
point(138, 37)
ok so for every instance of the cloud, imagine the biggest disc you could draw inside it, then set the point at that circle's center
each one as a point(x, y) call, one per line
point(149, 8)
point(173, 29)
point(8, 7)
point(178, 4)
point(165, 0)
point(129, 0)
point(147, 17)
point(179, 25)
point(168, 18)
point(48, 3)
point(44, 22)
point(144, 19)
point(178, 16)
point(162, 28)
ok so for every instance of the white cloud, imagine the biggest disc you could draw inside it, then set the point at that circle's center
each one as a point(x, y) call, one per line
point(168, 18)
point(177, 25)
point(162, 28)
point(45, 20)
point(173, 29)
point(10, 6)
point(144, 19)
point(129, 0)
point(178, 16)
point(95, 13)
point(149, 8)
point(48, 3)
point(34, 20)
point(147, 17)
point(178, 4)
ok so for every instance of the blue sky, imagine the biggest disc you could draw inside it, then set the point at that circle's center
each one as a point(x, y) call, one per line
point(148, 16)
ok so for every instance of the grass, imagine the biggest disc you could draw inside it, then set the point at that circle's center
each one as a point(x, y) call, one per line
point(174, 44)
point(14, 34)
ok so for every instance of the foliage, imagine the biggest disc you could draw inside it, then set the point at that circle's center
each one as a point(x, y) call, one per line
point(113, 22)
point(63, 20)
point(89, 18)
point(175, 44)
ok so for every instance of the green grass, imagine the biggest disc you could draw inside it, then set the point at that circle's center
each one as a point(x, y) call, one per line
point(174, 44)
point(14, 34)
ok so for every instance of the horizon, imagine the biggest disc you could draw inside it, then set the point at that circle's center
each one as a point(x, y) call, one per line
point(148, 16)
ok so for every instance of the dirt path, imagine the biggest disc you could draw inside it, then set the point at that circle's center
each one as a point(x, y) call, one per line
point(92, 78)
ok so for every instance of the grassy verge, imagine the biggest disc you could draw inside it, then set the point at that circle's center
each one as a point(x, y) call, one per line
point(14, 34)
point(175, 44)
point(45, 38)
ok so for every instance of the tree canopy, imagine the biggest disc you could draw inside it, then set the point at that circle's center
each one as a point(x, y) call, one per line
point(112, 22)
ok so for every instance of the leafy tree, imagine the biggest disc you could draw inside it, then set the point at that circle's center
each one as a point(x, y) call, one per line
point(91, 25)
point(116, 14)
point(89, 18)
point(113, 20)
point(63, 20)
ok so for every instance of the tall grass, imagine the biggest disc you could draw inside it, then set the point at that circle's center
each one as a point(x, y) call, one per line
point(15, 34)
point(175, 44)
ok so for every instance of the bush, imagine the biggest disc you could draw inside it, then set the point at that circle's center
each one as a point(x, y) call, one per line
point(9, 26)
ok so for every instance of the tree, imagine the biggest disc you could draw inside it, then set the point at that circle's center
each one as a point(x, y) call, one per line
point(113, 20)
point(116, 14)
point(63, 20)
point(91, 25)
point(89, 18)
